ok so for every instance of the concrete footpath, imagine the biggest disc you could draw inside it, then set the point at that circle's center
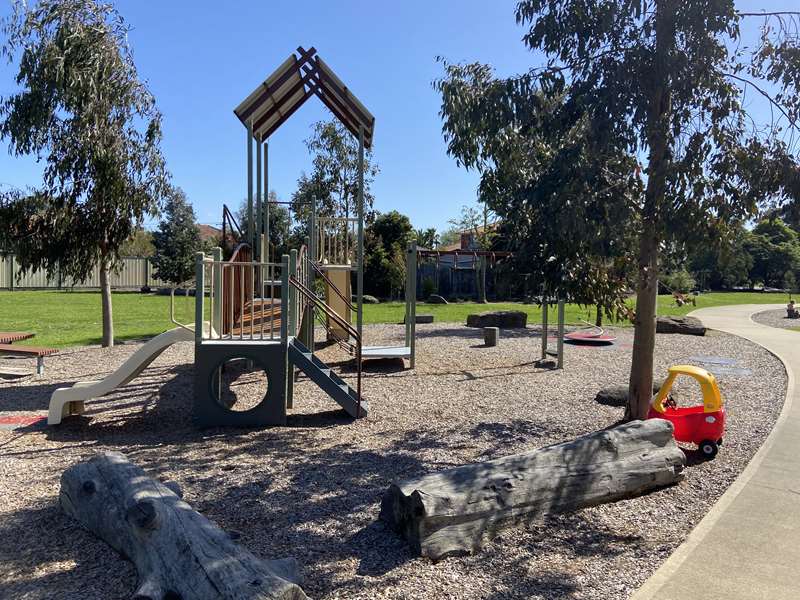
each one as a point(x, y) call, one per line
point(748, 545)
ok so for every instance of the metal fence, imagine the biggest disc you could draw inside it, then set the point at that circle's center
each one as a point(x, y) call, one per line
point(133, 273)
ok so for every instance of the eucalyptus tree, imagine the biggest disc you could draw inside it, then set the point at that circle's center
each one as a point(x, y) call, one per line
point(671, 81)
point(81, 109)
point(333, 181)
point(562, 191)
point(176, 241)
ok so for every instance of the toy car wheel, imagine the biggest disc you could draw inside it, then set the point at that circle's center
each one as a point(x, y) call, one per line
point(708, 449)
point(719, 442)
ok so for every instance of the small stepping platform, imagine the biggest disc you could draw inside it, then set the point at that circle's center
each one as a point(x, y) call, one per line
point(385, 352)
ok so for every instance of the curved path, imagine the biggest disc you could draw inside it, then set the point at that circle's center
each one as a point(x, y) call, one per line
point(748, 545)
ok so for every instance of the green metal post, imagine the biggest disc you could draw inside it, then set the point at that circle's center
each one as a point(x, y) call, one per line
point(249, 226)
point(360, 274)
point(412, 270)
point(216, 318)
point(561, 333)
point(312, 229)
point(292, 314)
point(544, 326)
point(257, 248)
point(289, 383)
point(292, 326)
point(284, 298)
point(199, 286)
point(266, 200)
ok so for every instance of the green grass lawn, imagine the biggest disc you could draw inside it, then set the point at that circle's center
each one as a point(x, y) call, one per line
point(63, 319)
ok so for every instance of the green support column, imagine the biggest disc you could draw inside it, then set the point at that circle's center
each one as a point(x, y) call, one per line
point(266, 203)
point(257, 248)
point(561, 333)
point(411, 301)
point(360, 274)
point(199, 286)
point(289, 383)
point(544, 325)
point(216, 318)
point(249, 225)
point(291, 316)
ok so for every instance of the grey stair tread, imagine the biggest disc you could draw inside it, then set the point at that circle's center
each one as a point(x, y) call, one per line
point(326, 379)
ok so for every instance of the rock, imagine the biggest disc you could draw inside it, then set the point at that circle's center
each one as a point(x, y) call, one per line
point(504, 319)
point(421, 319)
point(685, 325)
point(490, 336)
point(617, 395)
point(367, 299)
point(436, 299)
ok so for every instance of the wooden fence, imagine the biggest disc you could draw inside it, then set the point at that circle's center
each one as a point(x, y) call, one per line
point(134, 273)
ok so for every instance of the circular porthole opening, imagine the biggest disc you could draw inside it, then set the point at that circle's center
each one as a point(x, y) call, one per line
point(239, 384)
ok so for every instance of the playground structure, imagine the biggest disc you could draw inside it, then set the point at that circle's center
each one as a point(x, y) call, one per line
point(259, 308)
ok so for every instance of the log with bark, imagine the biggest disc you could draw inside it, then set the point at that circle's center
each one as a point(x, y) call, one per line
point(451, 512)
point(178, 552)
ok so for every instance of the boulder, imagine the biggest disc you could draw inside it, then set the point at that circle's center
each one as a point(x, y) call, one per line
point(504, 319)
point(685, 325)
point(617, 395)
point(366, 299)
point(421, 319)
point(436, 299)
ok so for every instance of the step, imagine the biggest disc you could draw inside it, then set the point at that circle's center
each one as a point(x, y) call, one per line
point(326, 379)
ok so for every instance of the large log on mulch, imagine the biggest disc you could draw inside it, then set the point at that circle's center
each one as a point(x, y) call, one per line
point(504, 319)
point(452, 512)
point(684, 325)
point(178, 553)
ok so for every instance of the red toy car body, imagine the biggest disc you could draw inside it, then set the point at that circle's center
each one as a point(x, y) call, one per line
point(704, 424)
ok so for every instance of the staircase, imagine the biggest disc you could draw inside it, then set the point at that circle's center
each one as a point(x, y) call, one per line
point(328, 381)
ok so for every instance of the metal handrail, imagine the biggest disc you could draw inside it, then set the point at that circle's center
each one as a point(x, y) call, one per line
point(321, 272)
point(172, 311)
point(312, 297)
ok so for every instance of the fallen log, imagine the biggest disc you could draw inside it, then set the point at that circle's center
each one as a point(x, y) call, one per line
point(451, 512)
point(178, 552)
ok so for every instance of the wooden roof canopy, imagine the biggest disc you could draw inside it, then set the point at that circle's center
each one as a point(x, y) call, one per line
point(301, 76)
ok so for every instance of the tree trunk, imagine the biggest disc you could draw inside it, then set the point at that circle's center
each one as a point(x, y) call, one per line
point(452, 512)
point(105, 295)
point(598, 320)
point(658, 131)
point(644, 336)
point(178, 553)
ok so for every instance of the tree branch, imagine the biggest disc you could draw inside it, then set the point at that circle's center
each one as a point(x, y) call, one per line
point(771, 100)
point(768, 14)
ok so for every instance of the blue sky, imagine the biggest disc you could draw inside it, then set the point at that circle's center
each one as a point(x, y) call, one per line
point(201, 58)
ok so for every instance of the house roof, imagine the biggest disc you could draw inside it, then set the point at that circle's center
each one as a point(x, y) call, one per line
point(208, 232)
point(302, 75)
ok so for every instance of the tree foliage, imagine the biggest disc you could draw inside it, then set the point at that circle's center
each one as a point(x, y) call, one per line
point(333, 182)
point(427, 238)
point(563, 192)
point(81, 109)
point(176, 241)
point(384, 249)
point(664, 79)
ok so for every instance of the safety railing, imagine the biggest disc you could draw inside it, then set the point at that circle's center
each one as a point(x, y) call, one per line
point(309, 296)
point(242, 297)
point(336, 240)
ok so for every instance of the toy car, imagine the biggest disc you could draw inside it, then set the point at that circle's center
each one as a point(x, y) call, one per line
point(703, 424)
